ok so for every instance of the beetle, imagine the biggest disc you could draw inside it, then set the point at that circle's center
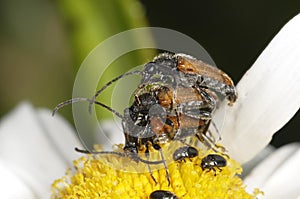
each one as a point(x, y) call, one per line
point(176, 114)
point(184, 152)
point(143, 128)
point(179, 72)
point(132, 144)
point(162, 194)
point(184, 70)
point(182, 89)
point(212, 161)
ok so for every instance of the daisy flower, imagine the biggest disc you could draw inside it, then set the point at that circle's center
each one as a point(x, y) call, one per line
point(38, 149)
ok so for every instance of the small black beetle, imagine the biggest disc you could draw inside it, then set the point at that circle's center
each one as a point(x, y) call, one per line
point(162, 194)
point(213, 161)
point(185, 152)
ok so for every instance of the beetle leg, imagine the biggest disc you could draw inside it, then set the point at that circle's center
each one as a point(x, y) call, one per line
point(217, 131)
point(209, 99)
point(215, 172)
point(207, 141)
point(199, 109)
point(148, 165)
point(157, 147)
point(226, 88)
point(211, 144)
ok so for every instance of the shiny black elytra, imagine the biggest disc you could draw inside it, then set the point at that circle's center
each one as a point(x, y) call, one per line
point(185, 152)
point(162, 194)
point(213, 161)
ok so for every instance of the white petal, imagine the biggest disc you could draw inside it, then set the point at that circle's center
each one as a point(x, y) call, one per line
point(37, 146)
point(112, 134)
point(12, 187)
point(61, 135)
point(268, 96)
point(278, 175)
point(248, 166)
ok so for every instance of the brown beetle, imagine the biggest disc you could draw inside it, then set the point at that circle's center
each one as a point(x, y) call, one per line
point(183, 112)
point(186, 71)
point(175, 100)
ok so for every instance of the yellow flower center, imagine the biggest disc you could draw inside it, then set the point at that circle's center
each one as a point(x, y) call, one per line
point(112, 176)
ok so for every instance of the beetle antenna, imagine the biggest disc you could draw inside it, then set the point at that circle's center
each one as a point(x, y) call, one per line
point(116, 153)
point(74, 100)
point(108, 84)
point(99, 152)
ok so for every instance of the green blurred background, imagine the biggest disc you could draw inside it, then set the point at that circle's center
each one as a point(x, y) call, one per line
point(43, 42)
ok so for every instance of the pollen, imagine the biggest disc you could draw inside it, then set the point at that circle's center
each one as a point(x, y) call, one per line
point(112, 176)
